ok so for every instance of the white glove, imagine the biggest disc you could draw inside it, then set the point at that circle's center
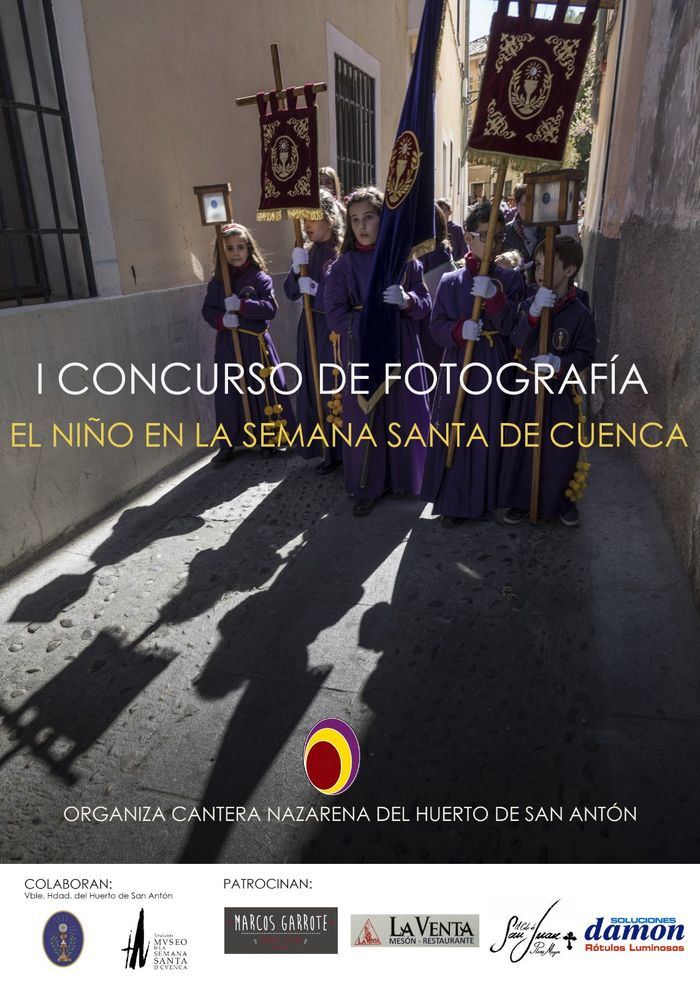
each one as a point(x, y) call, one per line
point(300, 257)
point(484, 287)
point(396, 295)
point(553, 360)
point(230, 320)
point(308, 285)
point(543, 298)
point(232, 303)
point(471, 330)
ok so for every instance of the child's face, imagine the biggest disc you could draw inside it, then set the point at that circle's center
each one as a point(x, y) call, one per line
point(364, 221)
point(317, 231)
point(561, 275)
point(326, 181)
point(236, 250)
point(477, 245)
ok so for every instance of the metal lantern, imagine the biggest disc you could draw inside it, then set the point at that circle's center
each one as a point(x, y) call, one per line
point(552, 197)
point(215, 207)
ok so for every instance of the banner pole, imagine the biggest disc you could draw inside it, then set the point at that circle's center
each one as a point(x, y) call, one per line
point(476, 308)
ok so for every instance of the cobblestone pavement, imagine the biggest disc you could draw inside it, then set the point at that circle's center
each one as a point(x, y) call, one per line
point(178, 653)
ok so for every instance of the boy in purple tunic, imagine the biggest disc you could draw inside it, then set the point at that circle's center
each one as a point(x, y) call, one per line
point(469, 488)
point(325, 237)
point(372, 471)
point(249, 308)
point(572, 341)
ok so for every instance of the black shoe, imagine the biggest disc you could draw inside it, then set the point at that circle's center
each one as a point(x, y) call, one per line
point(328, 466)
point(449, 522)
point(570, 517)
point(224, 456)
point(514, 516)
point(363, 505)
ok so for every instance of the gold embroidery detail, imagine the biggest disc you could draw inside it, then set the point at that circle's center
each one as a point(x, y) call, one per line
point(303, 185)
point(548, 130)
point(301, 128)
point(403, 168)
point(529, 87)
point(496, 123)
point(511, 45)
point(269, 132)
point(284, 158)
point(565, 51)
point(270, 189)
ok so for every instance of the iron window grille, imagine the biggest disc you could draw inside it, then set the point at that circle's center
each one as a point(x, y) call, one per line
point(44, 247)
point(355, 125)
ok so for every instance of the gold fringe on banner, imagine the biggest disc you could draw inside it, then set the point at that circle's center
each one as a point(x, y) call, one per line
point(289, 214)
point(427, 245)
point(493, 159)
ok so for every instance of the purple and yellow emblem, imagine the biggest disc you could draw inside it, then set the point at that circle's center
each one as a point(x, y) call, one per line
point(403, 168)
point(331, 756)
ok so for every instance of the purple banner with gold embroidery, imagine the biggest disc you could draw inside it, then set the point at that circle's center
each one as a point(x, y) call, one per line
point(289, 149)
point(529, 86)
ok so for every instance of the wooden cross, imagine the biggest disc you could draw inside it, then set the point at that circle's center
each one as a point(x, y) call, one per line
point(248, 100)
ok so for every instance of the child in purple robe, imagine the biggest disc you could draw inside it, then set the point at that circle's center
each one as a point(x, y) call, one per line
point(469, 488)
point(372, 471)
point(572, 341)
point(325, 237)
point(250, 307)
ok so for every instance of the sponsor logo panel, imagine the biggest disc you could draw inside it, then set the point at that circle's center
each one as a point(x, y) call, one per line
point(280, 930)
point(430, 930)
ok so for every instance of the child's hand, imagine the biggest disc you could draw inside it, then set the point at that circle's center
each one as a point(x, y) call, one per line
point(484, 287)
point(543, 298)
point(308, 285)
point(396, 296)
point(232, 303)
point(230, 320)
point(553, 360)
point(300, 257)
point(471, 330)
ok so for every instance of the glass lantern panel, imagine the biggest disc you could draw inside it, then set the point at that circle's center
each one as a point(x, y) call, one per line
point(546, 203)
point(214, 208)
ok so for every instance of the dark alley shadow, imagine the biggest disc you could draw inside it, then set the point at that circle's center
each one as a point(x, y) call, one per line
point(264, 646)
point(63, 719)
point(175, 514)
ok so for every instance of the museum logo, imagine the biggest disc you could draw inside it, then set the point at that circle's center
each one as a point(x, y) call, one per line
point(534, 937)
point(331, 756)
point(635, 935)
point(415, 930)
point(281, 930)
point(136, 953)
point(63, 939)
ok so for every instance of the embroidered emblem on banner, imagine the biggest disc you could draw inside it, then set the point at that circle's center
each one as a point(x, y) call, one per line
point(548, 130)
point(560, 339)
point(285, 158)
point(403, 168)
point(529, 88)
point(511, 46)
point(565, 52)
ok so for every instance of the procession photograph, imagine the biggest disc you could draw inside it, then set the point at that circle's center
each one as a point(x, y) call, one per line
point(349, 422)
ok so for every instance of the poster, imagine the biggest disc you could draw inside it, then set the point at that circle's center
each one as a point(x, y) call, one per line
point(240, 723)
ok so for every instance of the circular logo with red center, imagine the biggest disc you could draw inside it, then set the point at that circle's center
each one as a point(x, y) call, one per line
point(331, 756)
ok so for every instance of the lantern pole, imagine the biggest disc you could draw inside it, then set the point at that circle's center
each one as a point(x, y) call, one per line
point(545, 320)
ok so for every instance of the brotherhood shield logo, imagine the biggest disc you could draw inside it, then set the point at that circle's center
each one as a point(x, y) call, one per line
point(403, 168)
point(63, 939)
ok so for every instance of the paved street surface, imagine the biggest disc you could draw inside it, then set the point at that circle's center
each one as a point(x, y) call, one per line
point(180, 652)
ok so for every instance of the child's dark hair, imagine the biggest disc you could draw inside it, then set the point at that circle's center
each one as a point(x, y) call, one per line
point(441, 234)
point(480, 214)
point(374, 197)
point(569, 250)
point(257, 259)
point(444, 204)
point(518, 191)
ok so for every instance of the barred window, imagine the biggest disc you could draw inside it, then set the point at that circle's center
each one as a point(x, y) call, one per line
point(355, 125)
point(44, 248)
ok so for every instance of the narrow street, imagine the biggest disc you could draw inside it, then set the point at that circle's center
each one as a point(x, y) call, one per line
point(180, 651)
